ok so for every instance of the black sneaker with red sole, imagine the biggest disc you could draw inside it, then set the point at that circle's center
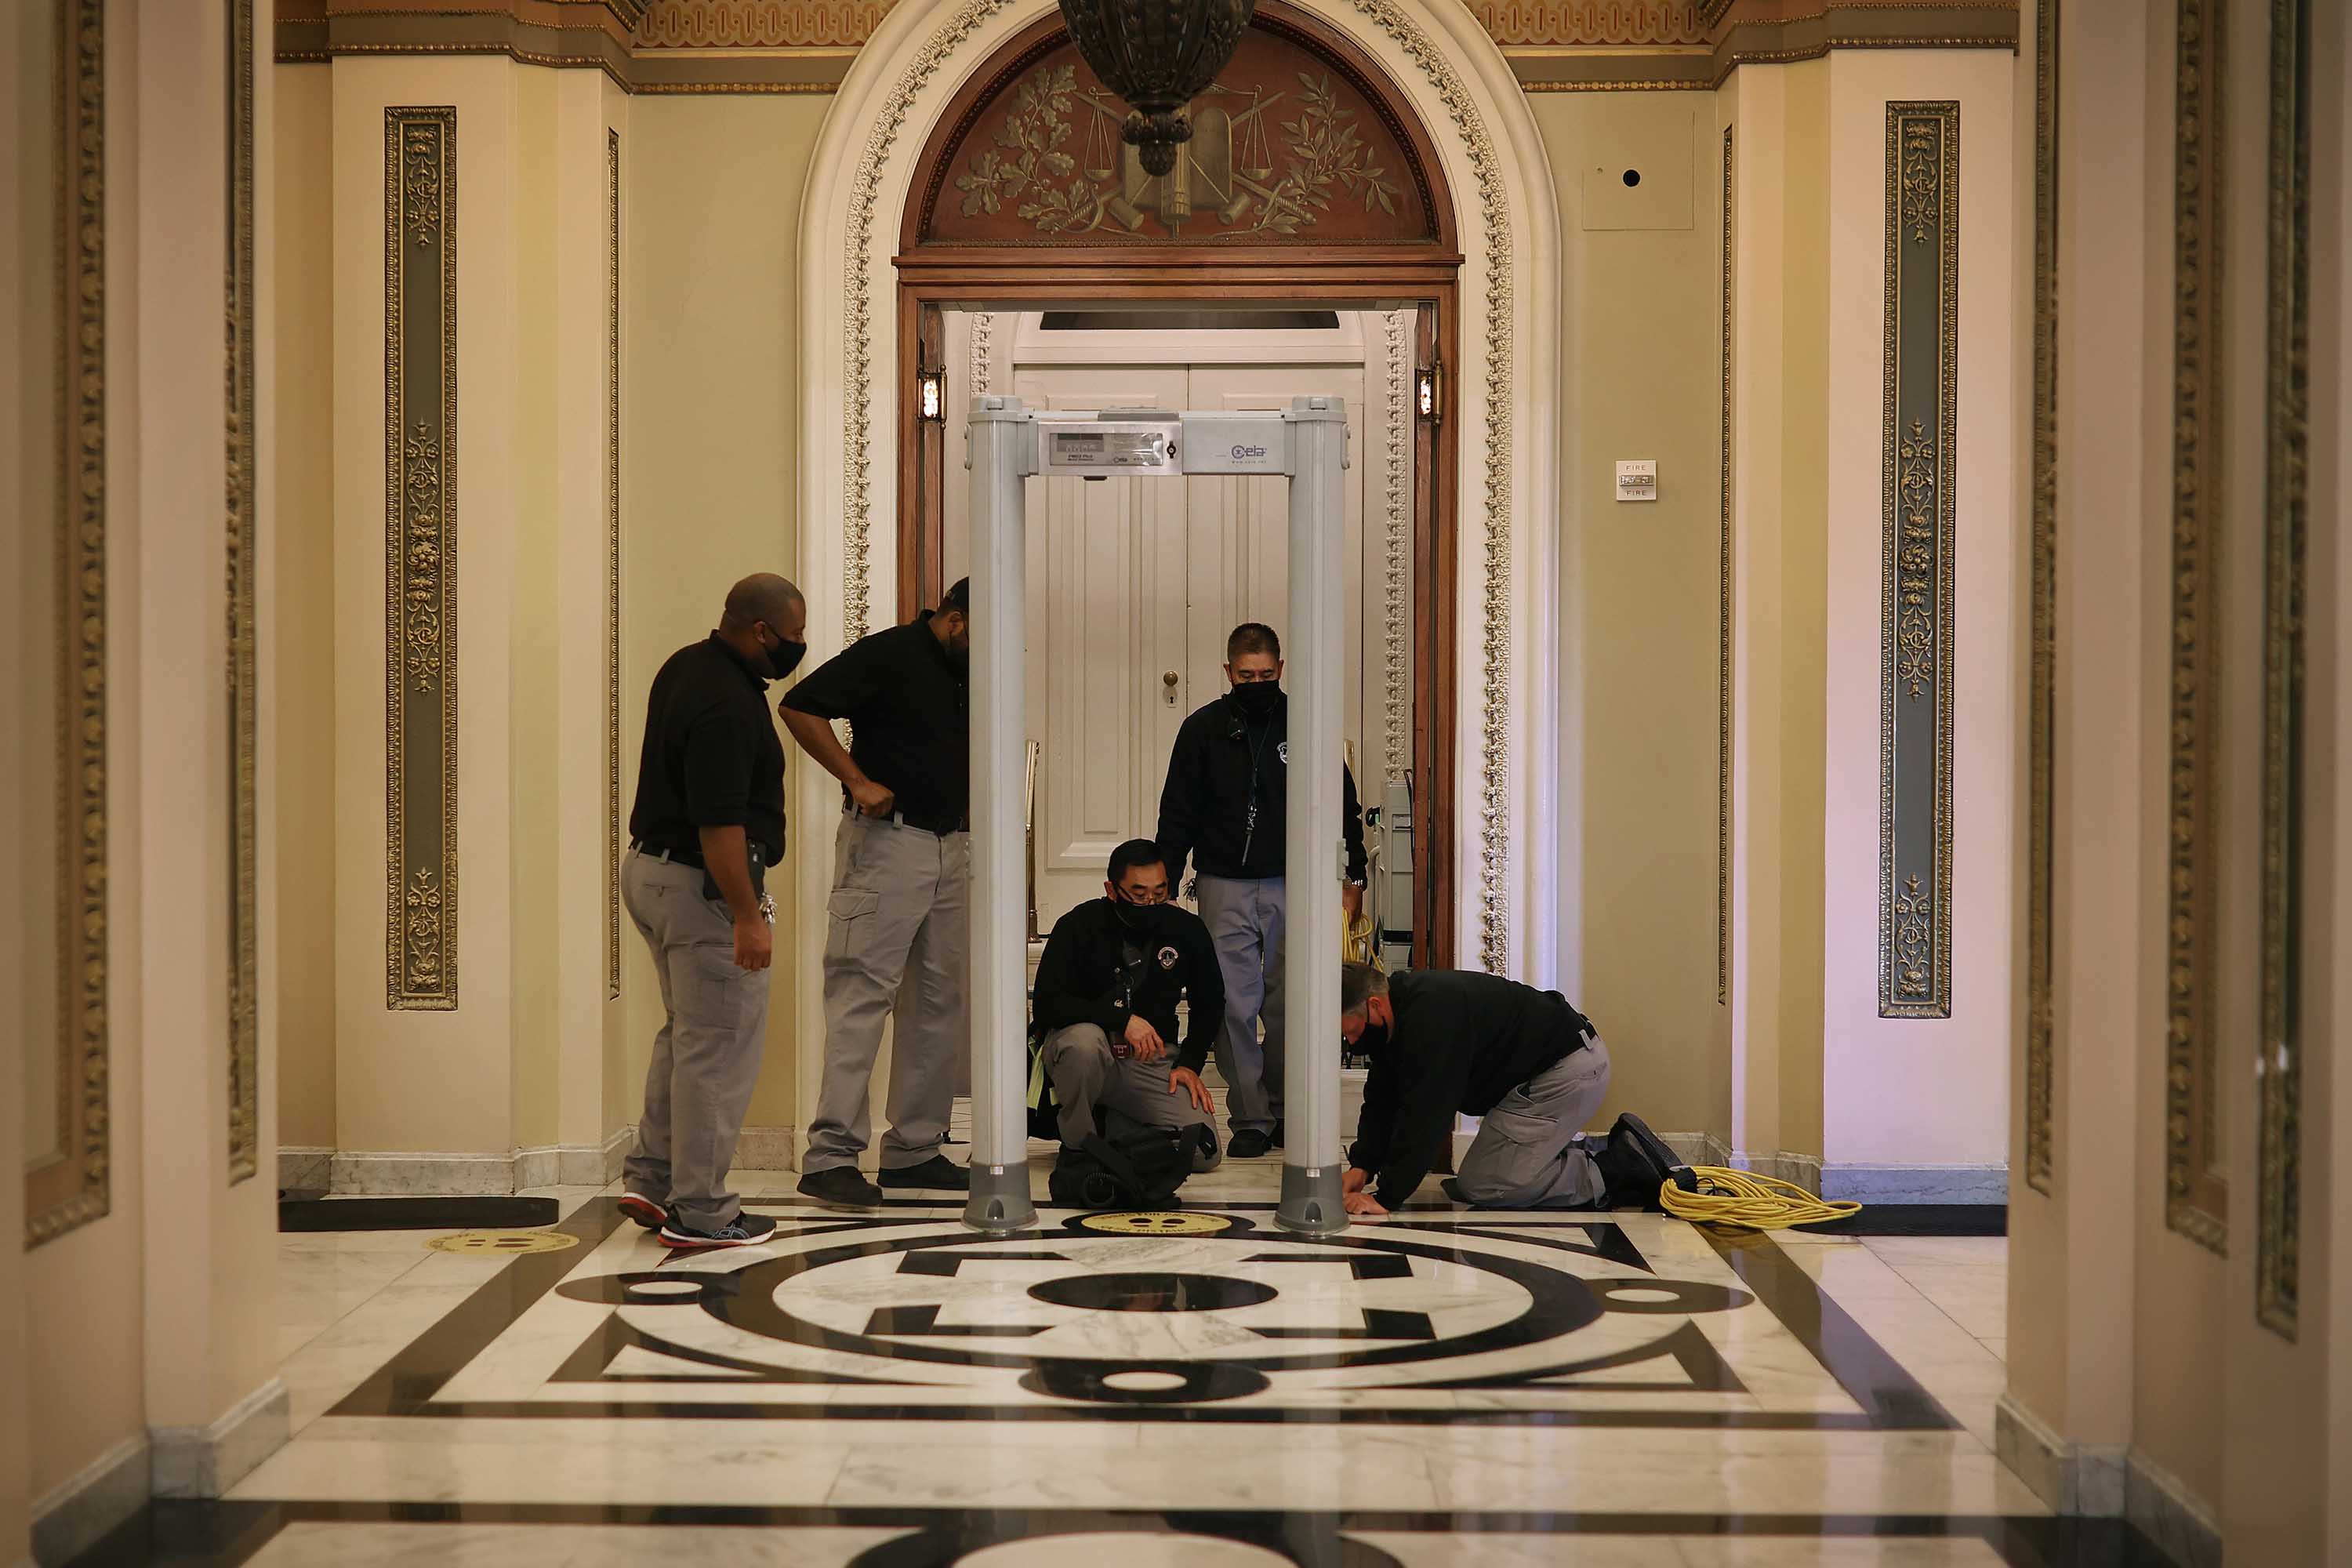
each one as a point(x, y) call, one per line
point(649, 1213)
point(745, 1230)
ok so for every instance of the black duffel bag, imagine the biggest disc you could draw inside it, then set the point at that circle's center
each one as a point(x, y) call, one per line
point(1127, 1165)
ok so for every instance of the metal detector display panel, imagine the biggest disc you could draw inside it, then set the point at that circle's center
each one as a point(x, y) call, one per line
point(1104, 447)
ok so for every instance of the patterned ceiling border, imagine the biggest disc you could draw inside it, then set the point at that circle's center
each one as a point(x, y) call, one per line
point(2286, 528)
point(2042, 700)
point(244, 670)
point(2196, 1198)
point(669, 47)
point(70, 1192)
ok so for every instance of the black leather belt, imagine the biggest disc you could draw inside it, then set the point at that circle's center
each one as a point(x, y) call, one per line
point(663, 852)
point(937, 827)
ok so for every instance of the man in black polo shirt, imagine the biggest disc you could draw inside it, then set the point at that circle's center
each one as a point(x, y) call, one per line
point(1107, 986)
point(1444, 1041)
point(707, 823)
point(897, 922)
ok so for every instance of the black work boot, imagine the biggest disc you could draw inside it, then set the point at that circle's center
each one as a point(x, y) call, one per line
point(1636, 1163)
point(938, 1173)
point(841, 1188)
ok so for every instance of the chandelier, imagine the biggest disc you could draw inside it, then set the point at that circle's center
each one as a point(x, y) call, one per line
point(1158, 56)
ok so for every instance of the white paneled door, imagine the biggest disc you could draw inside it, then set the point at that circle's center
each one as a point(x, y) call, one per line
point(1134, 586)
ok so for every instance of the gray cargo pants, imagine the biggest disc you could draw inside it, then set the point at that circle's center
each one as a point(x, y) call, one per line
point(1528, 1154)
point(1088, 1079)
point(895, 945)
point(1246, 921)
point(707, 1057)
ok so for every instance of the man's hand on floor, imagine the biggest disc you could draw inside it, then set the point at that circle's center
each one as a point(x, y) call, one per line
point(1363, 1204)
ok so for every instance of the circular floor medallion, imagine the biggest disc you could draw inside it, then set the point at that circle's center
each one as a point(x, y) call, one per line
point(1168, 1222)
point(511, 1242)
point(1135, 1551)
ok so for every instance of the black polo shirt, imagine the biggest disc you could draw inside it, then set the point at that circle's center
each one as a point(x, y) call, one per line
point(909, 731)
point(711, 758)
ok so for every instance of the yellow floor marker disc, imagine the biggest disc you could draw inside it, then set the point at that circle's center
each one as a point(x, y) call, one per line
point(509, 1243)
point(1169, 1222)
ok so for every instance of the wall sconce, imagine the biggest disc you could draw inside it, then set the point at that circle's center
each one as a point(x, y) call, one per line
point(931, 385)
point(1427, 389)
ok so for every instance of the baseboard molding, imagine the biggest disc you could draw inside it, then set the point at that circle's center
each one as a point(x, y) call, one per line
point(361, 1173)
point(769, 1149)
point(205, 1461)
point(1880, 1183)
point(302, 1169)
point(2176, 1519)
point(84, 1509)
point(2077, 1480)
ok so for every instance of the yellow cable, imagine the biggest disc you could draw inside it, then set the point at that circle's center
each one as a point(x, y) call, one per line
point(1726, 1196)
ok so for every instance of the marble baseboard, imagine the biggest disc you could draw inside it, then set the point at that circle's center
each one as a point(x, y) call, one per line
point(205, 1461)
point(1875, 1183)
point(304, 1170)
point(2176, 1519)
point(372, 1174)
point(593, 1164)
point(2077, 1480)
point(771, 1149)
point(84, 1509)
point(1785, 1166)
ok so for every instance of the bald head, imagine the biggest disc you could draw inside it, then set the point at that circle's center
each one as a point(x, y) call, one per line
point(764, 597)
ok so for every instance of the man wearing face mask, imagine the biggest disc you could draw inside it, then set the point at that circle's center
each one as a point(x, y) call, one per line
point(897, 923)
point(1107, 991)
point(1443, 1042)
point(708, 821)
point(1225, 807)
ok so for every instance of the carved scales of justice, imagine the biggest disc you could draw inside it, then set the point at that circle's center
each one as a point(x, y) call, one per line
point(1211, 172)
point(1008, 443)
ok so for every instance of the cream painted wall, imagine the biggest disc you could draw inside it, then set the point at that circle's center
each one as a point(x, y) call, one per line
point(1639, 328)
point(302, 673)
point(710, 372)
point(1909, 1091)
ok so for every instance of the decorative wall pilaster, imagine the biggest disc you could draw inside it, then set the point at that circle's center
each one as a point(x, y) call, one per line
point(244, 671)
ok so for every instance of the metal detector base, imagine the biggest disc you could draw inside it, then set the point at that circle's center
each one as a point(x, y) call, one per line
point(1311, 1201)
point(1000, 1202)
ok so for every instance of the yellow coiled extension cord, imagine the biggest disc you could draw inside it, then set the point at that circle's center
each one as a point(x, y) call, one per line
point(1726, 1196)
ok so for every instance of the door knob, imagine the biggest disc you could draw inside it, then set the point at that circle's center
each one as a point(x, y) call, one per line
point(1169, 680)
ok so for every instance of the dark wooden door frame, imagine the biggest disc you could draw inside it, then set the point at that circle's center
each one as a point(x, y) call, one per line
point(926, 289)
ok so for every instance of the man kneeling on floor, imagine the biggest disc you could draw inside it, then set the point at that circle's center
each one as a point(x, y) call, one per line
point(1442, 1041)
point(1106, 1002)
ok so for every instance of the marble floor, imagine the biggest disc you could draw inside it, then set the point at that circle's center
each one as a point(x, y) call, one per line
point(1444, 1386)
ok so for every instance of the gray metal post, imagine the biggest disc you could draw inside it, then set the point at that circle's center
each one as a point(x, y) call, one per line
point(1316, 663)
point(1003, 450)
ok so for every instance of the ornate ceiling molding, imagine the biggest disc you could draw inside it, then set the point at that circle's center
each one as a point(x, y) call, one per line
point(805, 46)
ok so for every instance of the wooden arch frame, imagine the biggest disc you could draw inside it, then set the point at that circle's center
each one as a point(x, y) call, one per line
point(1172, 275)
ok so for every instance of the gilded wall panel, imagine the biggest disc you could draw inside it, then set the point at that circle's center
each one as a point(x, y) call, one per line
point(420, 538)
point(1918, 470)
point(2041, 1066)
point(244, 1021)
point(1723, 618)
point(2196, 1199)
point(67, 1179)
point(612, 565)
point(2285, 524)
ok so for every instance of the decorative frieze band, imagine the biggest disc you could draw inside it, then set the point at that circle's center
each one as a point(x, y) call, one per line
point(2286, 419)
point(2195, 1197)
point(244, 1007)
point(1918, 470)
point(2041, 1066)
point(420, 538)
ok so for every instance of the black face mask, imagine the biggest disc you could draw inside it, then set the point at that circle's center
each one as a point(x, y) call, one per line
point(1374, 1040)
point(784, 657)
point(1144, 918)
point(1256, 697)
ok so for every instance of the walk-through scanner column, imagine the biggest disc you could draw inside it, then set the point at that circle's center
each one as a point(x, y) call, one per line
point(1314, 852)
point(1003, 453)
point(1308, 442)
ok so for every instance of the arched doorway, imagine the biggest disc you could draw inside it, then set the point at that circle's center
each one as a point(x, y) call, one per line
point(1494, 330)
point(1308, 179)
